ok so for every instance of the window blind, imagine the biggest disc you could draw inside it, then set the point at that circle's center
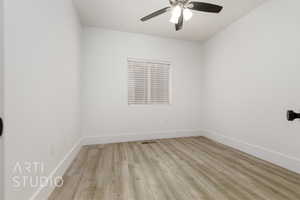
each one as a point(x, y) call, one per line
point(148, 82)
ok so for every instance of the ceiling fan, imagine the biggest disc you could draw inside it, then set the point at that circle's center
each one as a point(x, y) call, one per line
point(181, 10)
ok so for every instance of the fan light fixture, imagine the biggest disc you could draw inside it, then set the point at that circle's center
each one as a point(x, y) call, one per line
point(176, 12)
point(181, 10)
point(187, 14)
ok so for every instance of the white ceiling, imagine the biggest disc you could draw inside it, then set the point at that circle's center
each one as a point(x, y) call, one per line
point(124, 15)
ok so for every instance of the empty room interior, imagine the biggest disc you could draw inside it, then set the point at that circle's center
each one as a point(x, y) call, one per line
point(150, 100)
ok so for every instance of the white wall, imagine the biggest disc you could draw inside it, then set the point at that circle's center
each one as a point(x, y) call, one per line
point(104, 75)
point(252, 77)
point(42, 51)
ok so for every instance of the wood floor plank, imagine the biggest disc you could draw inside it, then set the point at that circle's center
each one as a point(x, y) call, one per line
point(148, 184)
point(104, 175)
point(227, 176)
point(193, 168)
point(88, 182)
point(156, 168)
point(71, 178)
point(183, 172)
point(268, 181)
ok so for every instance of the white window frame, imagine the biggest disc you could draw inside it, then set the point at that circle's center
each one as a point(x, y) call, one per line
point(155, 62)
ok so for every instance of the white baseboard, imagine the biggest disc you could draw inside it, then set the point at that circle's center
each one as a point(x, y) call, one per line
point(277, 158)
point(106, 139)
point(272, 156)
point(43, 193)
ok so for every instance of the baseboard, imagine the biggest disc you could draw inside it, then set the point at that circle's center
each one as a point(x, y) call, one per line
point(277, 158)
point(43, 193)
point(126, 137)
point(269, 155)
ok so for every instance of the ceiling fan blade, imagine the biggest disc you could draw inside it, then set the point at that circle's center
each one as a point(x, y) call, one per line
point(205, 7)
point(156, 13)
point(180, 22)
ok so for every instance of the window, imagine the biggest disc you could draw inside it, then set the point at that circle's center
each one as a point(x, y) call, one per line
point(148, 82)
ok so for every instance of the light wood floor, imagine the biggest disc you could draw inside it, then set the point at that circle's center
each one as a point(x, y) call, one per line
point(174, 169)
